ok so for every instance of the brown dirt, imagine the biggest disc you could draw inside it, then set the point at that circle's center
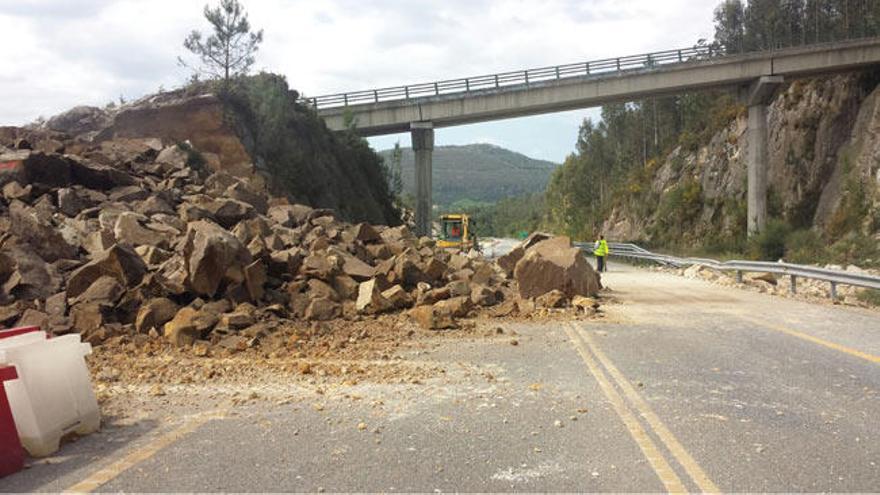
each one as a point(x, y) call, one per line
point(142, 377)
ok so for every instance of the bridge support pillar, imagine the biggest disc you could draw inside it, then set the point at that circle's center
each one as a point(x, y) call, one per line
point(423, 146)
point(758, 97)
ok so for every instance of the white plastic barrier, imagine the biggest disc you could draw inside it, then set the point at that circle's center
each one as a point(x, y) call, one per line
point(53, 395)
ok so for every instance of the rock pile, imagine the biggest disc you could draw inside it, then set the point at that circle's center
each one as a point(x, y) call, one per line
point(133, 237)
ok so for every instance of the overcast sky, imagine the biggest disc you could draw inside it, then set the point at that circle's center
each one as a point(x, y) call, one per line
point(62, 53)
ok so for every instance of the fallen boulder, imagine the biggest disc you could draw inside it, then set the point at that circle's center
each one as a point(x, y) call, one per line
point(554, 264)
point(432, 318)
point(211, 252)
point(121, 263)
point(370, 299)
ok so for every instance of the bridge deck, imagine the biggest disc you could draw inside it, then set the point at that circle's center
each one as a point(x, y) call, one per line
point(583, 85)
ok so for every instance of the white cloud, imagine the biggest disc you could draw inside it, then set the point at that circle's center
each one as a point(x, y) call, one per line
point(70, 52)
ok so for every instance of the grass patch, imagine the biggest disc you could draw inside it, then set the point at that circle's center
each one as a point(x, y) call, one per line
point(869, 296)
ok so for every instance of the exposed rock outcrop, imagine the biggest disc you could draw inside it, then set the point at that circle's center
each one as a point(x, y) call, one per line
point(824, 161)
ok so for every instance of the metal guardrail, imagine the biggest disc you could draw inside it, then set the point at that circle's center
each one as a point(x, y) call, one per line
point(833, 277)
point(523, 78)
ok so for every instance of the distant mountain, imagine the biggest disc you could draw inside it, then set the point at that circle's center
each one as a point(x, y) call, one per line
point(477, 172)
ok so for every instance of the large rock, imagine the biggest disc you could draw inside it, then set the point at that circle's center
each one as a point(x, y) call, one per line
point(175, 157)
point(129, 229)
point(408, 270)
point(121, 263)
point(255, 277)
point(229, 212)
point(189, 325)
point(508, 261)
point(70, 202)
point(27, 167)
point(397, 297)
point(101, 177)
point(290, 215)
point(239, 191)
point(37, 230)
point(458, 307)
point(154, 314)
point(553, 264)
point(365, 233)
point(28, 276)
point(181, 330)
point(553, 299)
point(323, 309)
point(88, 317)
point(432, 318)
point(210, 253)
point(356, 269)
point(105, 290)
point(286, 262)
point(483, 296)
point(370, 299)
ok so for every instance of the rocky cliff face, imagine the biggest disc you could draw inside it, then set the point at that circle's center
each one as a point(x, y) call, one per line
point(824, 156)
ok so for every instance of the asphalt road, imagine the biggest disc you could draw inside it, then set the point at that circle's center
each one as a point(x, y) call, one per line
point(684, 386)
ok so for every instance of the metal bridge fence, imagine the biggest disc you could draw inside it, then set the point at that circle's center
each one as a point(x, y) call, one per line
point(519, 78)
point(793, 271)
point(524, 78)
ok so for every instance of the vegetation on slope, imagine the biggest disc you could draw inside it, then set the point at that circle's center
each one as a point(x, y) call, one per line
point(476, 172)
point(617, 160)
point(304, 159)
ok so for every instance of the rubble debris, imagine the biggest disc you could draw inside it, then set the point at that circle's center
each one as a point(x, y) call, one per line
point(131, 239)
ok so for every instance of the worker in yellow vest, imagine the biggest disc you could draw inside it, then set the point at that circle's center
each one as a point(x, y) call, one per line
point(601, 251)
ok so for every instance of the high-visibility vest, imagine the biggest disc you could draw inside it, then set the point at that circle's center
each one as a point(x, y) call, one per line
point(602, 249)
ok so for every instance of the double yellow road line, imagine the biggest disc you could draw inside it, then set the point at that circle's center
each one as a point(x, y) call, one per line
point(630, 406)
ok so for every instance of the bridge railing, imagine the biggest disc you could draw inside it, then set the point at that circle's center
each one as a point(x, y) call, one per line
point(833, 277)
point(519, 78)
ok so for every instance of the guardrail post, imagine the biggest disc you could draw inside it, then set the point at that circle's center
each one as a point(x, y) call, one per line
point(834, 291)
point(739, 276)
point(587, 68)
point(793, 287)
point(618, 65)
point(376, 96)
point(467, 85)
point(526, 74)
point(680, 58)
point(345, 98)
point(496, 81)
point(557, 72)
point(406, 91)
point(436, 89)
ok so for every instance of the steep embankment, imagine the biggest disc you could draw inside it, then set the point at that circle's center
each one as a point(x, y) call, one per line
point(258, 132)
point(824, 156)
point(477, 172)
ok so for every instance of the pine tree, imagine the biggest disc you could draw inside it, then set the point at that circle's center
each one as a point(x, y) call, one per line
point(230, 51)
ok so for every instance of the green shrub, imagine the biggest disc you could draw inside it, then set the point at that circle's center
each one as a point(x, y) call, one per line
point(869, 296)
point(856, 248)
point(679, 208)
point(854, 204)
point(769, 245)
point(305, 160)
point(805, 247)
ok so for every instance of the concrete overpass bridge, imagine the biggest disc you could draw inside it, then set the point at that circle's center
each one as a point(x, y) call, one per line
point(420, 108)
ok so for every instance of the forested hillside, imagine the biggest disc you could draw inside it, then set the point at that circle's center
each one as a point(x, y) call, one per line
point(671, 171)
point(475, 173)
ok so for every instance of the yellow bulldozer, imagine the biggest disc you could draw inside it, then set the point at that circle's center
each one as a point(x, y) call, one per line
point(458, 232)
